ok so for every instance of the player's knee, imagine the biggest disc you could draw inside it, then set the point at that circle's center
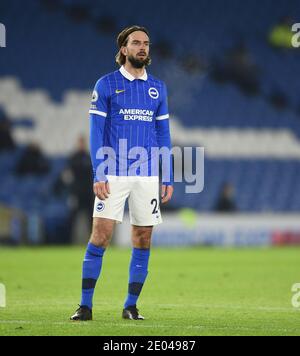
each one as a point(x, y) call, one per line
point(100, 239)
point(101, 234)
point(142, 237)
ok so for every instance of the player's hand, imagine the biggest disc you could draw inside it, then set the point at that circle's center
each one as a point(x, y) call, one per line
point(101, 190)
point(166, 193)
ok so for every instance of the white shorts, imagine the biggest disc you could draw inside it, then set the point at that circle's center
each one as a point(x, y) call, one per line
point(143, 200)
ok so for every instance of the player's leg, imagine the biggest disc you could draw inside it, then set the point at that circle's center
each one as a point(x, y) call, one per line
point(106, 214)
point(100, 238)
point(91, 268)
point(144, 214)
point(138, 270)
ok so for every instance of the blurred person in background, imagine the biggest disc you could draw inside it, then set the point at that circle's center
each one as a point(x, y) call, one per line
point(81, 191)
point(226, 202)
point(33, 161)
point(238, 67)
point(81, 169)
point(6, 140)
point(75, 184)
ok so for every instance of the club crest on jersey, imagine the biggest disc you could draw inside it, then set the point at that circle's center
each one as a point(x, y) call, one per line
point(100, 207)
point(94, 96)
point(153, 92)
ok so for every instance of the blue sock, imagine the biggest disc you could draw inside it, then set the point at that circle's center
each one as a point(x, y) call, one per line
point(91, 269)
point(138, 271)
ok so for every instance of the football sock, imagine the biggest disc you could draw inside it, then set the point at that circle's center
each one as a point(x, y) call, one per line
point(138, 271)
point(91, 269)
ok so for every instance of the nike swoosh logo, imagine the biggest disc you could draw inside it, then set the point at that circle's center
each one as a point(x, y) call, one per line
point(119, 91)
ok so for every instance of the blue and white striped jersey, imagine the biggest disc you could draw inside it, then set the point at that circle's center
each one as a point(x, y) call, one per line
point(135, 110)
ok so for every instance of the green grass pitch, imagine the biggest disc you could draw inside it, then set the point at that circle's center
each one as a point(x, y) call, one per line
point(193, 291)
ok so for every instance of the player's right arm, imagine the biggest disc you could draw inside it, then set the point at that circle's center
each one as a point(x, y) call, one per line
point(98, 113)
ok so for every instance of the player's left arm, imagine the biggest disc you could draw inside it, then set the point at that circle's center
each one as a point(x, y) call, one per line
point(164, 140)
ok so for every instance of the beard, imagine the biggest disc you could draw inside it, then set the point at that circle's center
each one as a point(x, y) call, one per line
point(138, 63)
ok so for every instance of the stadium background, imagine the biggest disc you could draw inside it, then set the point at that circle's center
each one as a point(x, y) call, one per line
point(233, 82)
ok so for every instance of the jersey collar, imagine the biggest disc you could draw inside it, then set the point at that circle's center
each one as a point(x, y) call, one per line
point(130, 77)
